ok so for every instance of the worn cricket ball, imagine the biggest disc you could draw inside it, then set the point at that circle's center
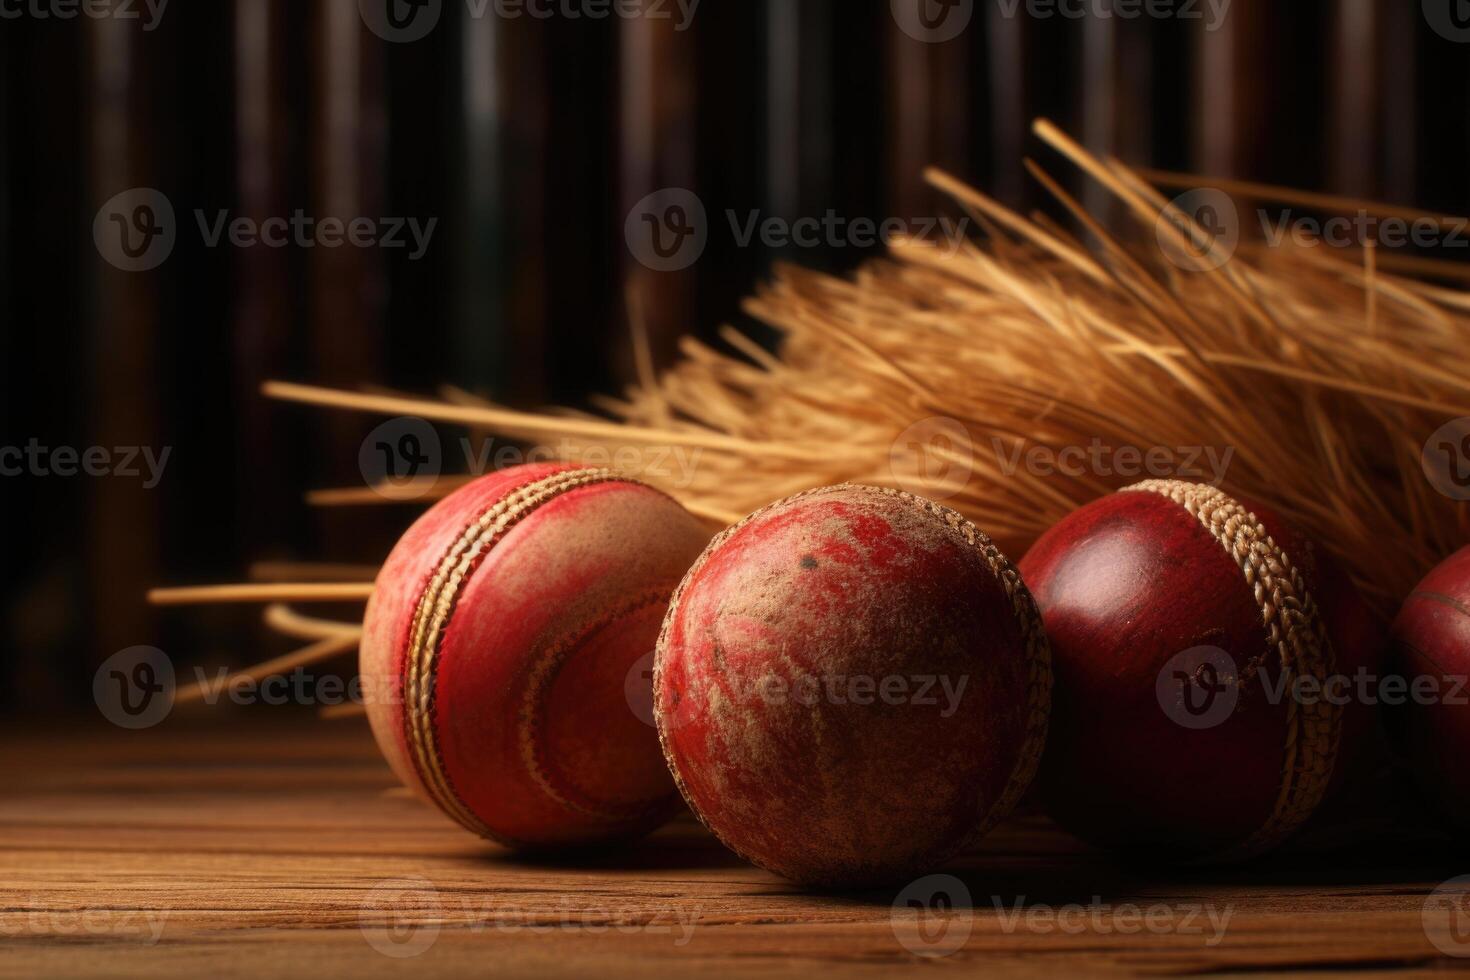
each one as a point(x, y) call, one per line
point(1203, 652)
point(851, 685)
point(502, 646)
point(1430, 715)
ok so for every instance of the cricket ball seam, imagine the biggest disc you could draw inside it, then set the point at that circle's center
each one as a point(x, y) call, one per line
point(1038, 655)
point(431, 618)
point(1296, 631)
point(544, 671)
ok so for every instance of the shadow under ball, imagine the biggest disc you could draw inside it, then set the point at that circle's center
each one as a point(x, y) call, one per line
point(1432, 653)
point(501, 652)
point(1142, 593)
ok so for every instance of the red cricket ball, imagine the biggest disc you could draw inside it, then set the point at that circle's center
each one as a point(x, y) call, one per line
point(1205, 659)
point(851, 684)
point(1432, 720)
point(501, 647)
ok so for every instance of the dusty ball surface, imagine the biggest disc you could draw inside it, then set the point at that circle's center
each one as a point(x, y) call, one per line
point(501, 642)
point(1431, 716)
point(1192, 636)
point(851, 685)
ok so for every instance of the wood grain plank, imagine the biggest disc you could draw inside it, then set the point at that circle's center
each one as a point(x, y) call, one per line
point(277, 849)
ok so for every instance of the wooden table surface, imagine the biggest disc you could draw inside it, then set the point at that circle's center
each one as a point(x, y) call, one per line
point(275, 848)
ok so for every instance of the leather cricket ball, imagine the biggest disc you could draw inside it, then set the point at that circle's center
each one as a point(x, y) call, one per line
point(1431, 717)
point(851, 685)
point(1203, 653)
point(502, 643)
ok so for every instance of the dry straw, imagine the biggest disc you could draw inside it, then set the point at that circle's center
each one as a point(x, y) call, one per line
point(1320, 371)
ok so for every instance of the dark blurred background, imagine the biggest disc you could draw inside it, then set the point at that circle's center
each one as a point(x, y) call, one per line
point(527, 131)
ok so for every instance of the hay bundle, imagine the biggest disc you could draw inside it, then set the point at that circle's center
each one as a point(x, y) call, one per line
point(1030, 371)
